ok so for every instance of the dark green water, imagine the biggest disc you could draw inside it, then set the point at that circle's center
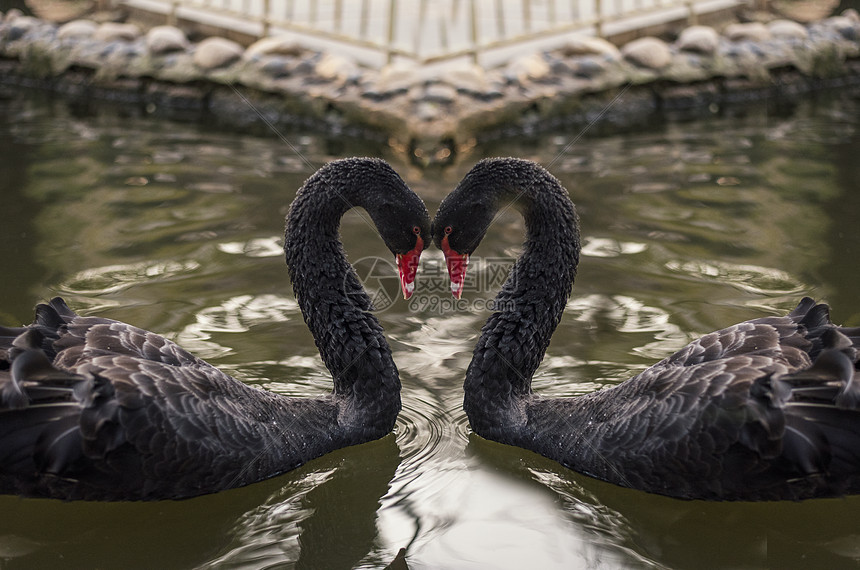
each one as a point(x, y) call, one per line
point(176, 228)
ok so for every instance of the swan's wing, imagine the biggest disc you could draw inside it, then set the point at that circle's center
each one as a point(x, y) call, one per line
point(784, 388)
point(121, 410)
point(118, 425)
point(795, 339)
point(763, 409)
point(71, 340)
point(666, 431)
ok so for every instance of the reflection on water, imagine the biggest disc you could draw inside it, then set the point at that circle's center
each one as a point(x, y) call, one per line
point(177, 229)
point(235, 315)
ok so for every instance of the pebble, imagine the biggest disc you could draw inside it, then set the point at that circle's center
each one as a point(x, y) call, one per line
point(112, 31)
point(530, 67)
point(273, 45)
point(747, 32)
point(845, 25)
point(589, 45)
point(426, 111)
point(396, 77)
point(277, 66)
point(440, 93)
point(77, 29)
point(333, 67)
point(20, 25)
point(648, 52)
point(467, 77)
point(165, 39)
point(700, 39)
point(215, 52)
point(787, 29)
point(589, 67)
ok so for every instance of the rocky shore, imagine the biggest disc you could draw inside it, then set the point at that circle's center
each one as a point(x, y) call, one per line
point(276, 82)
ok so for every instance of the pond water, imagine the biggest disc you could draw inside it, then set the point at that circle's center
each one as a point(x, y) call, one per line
point(688, 227)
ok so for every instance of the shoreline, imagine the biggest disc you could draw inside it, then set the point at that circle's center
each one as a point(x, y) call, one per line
point(431, 119)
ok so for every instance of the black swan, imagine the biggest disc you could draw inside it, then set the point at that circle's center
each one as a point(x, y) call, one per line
point(96, 409)
point(767, 409)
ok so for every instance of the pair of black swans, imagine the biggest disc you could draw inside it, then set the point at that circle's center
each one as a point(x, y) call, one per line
point(96, 409)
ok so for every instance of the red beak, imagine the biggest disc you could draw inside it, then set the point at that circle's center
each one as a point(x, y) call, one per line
point(457, 263)
point(407, 267)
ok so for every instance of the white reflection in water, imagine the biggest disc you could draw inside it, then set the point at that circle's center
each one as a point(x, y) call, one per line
point(630, 315)
point(750, 278)
point(492, 516)
point(235, 315)
point(271, 532)
point(113, 278)
point(257, 247)
point(606, 247)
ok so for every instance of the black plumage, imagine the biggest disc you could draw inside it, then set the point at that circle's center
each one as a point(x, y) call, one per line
point(96, 409)
point(763, 410)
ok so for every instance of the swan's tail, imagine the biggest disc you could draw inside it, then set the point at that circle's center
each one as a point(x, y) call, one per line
point(7, 339)
point(40, 411)
point(51, 317)
point(815, 318)
point(42, 407)
point(822, 409)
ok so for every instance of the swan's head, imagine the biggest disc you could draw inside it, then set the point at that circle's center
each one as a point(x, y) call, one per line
point(464, 217)
point(399, 215)
point(406, 234)
point(401, 218)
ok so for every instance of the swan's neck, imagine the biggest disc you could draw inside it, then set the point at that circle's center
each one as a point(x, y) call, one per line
point(337, 309)
point(528, 308)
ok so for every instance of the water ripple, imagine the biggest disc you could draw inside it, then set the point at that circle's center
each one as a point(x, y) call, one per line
point(420, 430)
point(751, 278)
point(257, 247)
point(606, 247)
point(630, 315)
point(235, 315)
point(114, 278)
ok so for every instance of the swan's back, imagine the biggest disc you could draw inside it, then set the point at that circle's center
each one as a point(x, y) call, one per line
point(95, 408)
point(766, 409)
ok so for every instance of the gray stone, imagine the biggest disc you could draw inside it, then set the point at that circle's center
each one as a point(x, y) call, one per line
point(335, 68)
point(13, 14)
point(77, 29)
point(530, 67)
point(648, 52)
point(747, 32)
point(113, 31)
point(466, 77)
point(846, 26)
point(20, 25)
point(426, 111)
point(273, 45)
point(787, 29)
point(165, 39)
point(589, 45)
point(277, 66)
point(215, 52)
point(396, 77)
point(588, 67)
point(440, 93)
point(700, 39)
